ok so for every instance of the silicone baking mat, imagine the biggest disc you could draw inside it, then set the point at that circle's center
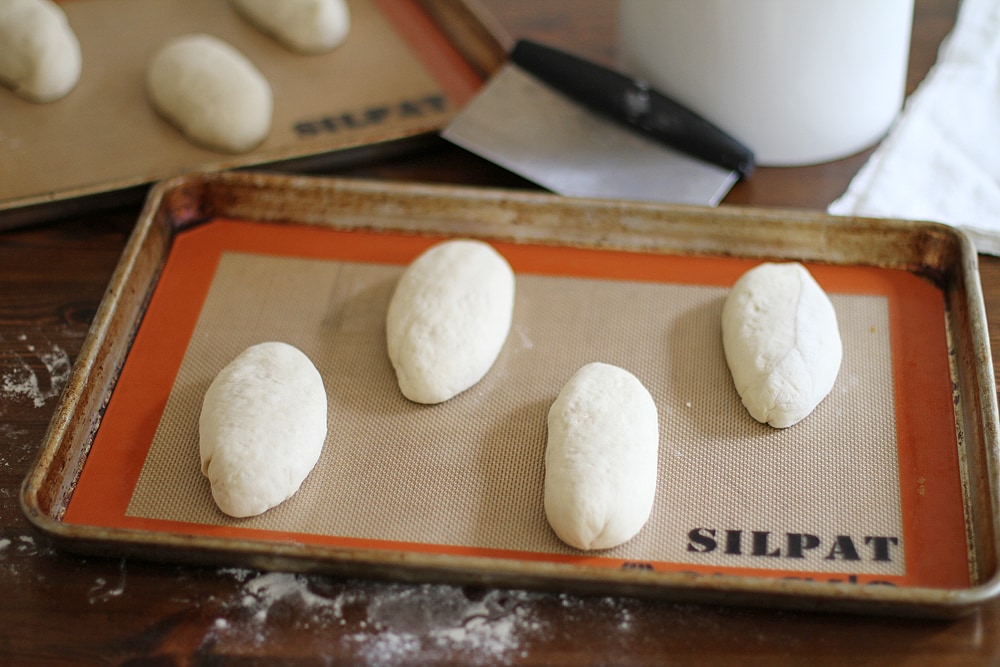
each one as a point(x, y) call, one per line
point(866, 489)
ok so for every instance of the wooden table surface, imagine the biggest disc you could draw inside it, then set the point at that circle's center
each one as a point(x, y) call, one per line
point(57, 608)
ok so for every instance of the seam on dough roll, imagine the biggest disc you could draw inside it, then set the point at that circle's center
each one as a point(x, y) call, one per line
point(781, 341)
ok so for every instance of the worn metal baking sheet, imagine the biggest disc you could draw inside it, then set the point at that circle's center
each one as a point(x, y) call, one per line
point(542, 226)
point(404, 69)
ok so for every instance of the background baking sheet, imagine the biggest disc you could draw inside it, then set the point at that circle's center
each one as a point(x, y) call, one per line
point(396, 76)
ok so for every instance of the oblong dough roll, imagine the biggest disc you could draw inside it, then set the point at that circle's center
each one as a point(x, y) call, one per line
point(601, 458)
point(782, 343)
point(211, 92)
point(262, 427)
point(304, 26)
point(40, 56)
point(448, 319)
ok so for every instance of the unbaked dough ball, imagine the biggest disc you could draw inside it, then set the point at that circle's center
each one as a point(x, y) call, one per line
point(39, 52)
point(448, 319)
point(211, 92)
point(304, 26)
point(782, 343)
point(262, 427)
point(601, 458)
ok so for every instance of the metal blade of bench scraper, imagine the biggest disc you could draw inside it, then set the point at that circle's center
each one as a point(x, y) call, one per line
point(525, 126)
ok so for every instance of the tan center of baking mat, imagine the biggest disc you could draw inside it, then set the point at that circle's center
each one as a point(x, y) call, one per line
point(822, 496)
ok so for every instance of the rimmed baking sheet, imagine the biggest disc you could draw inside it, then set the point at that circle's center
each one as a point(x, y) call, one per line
point(398, 75)
point(872, 490)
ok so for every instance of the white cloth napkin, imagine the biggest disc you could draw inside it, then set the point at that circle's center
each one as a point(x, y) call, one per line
point(941, 159)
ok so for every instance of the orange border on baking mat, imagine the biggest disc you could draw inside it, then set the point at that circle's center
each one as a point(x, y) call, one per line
point(438, 55)
point(932, 505)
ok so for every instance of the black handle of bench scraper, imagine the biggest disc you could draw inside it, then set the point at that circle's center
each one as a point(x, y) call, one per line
point(633, 103)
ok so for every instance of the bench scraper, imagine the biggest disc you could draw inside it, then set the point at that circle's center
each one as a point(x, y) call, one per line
point(580, 129)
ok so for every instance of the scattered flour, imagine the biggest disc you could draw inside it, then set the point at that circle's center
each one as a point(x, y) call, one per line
point(391, 623)
point(22, 380)
point(380, 623)
point(17, 552)
point(102, 592)
point(429, 618)
point(16, 450)
point(526, 342)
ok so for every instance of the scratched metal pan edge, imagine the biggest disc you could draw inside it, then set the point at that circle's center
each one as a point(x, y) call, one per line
point(941, 253)
point(464, 25)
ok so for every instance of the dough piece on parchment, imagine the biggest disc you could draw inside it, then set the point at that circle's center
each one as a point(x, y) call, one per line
point(211, 92)
point(304, 26)
point(782, 343)
point(448, 319)
point(601, 458)
point(40, 56)
point(262, 427)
